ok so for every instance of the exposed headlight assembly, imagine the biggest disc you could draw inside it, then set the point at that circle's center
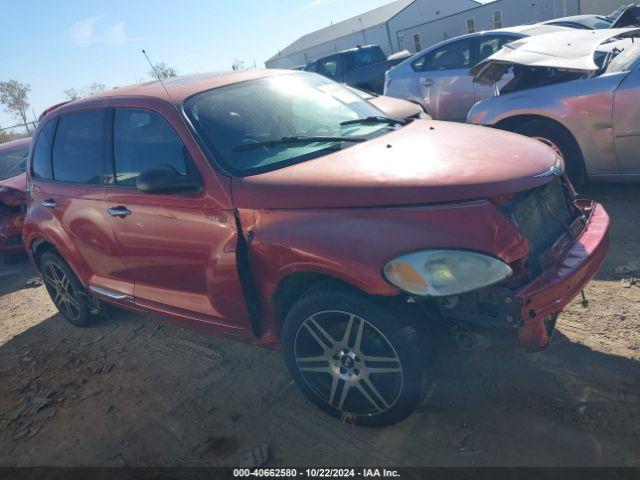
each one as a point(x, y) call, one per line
point(439, 273)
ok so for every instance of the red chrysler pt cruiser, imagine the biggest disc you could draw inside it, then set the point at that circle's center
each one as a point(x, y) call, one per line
point(280, 208)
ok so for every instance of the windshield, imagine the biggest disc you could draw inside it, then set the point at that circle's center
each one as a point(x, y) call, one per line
point(13, 162)
point(267, 110)
point(626, 54)
point(596, 23)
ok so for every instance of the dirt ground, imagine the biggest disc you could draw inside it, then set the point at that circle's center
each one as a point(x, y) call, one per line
point(131, 391)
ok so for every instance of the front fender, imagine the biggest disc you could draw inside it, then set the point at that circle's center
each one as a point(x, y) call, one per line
point(354, 244)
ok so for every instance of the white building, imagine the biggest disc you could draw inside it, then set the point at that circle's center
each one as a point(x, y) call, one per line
point(366, 29)
point(417, 24)
point(598, 7)
point(427, 22)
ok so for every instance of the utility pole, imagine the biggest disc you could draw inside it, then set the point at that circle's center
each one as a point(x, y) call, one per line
point(364, 37)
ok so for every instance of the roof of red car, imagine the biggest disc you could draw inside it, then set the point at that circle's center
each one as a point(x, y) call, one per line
point(21, 142)
point(184, 86)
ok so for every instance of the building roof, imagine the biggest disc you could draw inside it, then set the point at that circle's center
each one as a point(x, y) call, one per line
point(346, 27)
point(436, 9)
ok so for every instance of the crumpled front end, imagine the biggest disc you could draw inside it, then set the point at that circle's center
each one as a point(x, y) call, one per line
point(544, 297)
point(566, 242)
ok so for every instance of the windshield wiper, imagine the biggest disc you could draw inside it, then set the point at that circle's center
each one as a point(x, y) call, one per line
point(295, 140)
point(380, 119)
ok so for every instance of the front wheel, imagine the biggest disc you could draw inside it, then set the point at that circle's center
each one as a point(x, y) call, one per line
point(352, 358)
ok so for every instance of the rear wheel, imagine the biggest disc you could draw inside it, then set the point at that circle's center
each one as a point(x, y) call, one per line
point(352, 358)
point(66, 291)
point(562, 143)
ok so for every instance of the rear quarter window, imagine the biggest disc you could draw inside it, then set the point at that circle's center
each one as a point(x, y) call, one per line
point(78, 147)
point(41, 162)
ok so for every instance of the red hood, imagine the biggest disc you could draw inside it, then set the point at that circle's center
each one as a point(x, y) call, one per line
point(424, 162)
point(18, 182)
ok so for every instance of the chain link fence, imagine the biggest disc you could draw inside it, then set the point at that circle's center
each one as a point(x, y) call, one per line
point(15, 132)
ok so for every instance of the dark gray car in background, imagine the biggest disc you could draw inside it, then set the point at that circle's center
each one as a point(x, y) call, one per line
point(361, 67)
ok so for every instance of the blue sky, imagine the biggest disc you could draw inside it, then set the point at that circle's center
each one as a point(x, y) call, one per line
point(58, 45)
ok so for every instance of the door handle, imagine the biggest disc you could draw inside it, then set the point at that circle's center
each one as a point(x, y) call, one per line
point(426, 82)
point(120, 212)
point(49, 203)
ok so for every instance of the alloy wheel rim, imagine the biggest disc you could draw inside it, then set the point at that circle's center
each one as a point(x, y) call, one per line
point(342, 371)
point(62, 292)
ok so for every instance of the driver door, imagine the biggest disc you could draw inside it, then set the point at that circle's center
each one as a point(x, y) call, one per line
point(180, 248)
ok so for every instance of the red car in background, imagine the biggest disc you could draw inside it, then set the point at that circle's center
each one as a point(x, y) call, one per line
point(13, 200)
point(279, 208)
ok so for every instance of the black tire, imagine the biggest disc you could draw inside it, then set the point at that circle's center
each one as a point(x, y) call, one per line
point(561, 139)
point(392, 395)
point(69, 296)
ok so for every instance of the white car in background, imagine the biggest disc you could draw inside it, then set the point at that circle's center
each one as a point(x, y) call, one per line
point(438, 78)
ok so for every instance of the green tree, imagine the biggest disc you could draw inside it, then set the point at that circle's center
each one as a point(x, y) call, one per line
point(15, 98)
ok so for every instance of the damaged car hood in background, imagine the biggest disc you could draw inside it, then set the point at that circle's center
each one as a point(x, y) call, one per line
point(573, 50)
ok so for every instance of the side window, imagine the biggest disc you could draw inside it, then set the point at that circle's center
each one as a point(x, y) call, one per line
point(490, 44)
point(421, 64)
point(377, 55)
point(328, 66)
point(78, 149)
point(362, 57)
point(41, 163)
point(453, 56)
point(143, 140)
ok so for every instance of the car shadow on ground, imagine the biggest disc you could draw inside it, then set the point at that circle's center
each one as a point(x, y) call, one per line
point(133, 391)
point(17, 275)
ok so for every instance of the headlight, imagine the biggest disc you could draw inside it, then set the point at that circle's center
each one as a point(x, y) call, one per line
point(438, 273)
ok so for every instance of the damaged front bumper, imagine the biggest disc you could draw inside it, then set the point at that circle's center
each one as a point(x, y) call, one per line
point(542, 299)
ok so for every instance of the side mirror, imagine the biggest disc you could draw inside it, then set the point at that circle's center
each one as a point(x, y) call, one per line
point(166, 179)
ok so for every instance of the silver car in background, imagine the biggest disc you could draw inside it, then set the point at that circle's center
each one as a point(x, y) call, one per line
point(438, 78)
point(578, 92)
